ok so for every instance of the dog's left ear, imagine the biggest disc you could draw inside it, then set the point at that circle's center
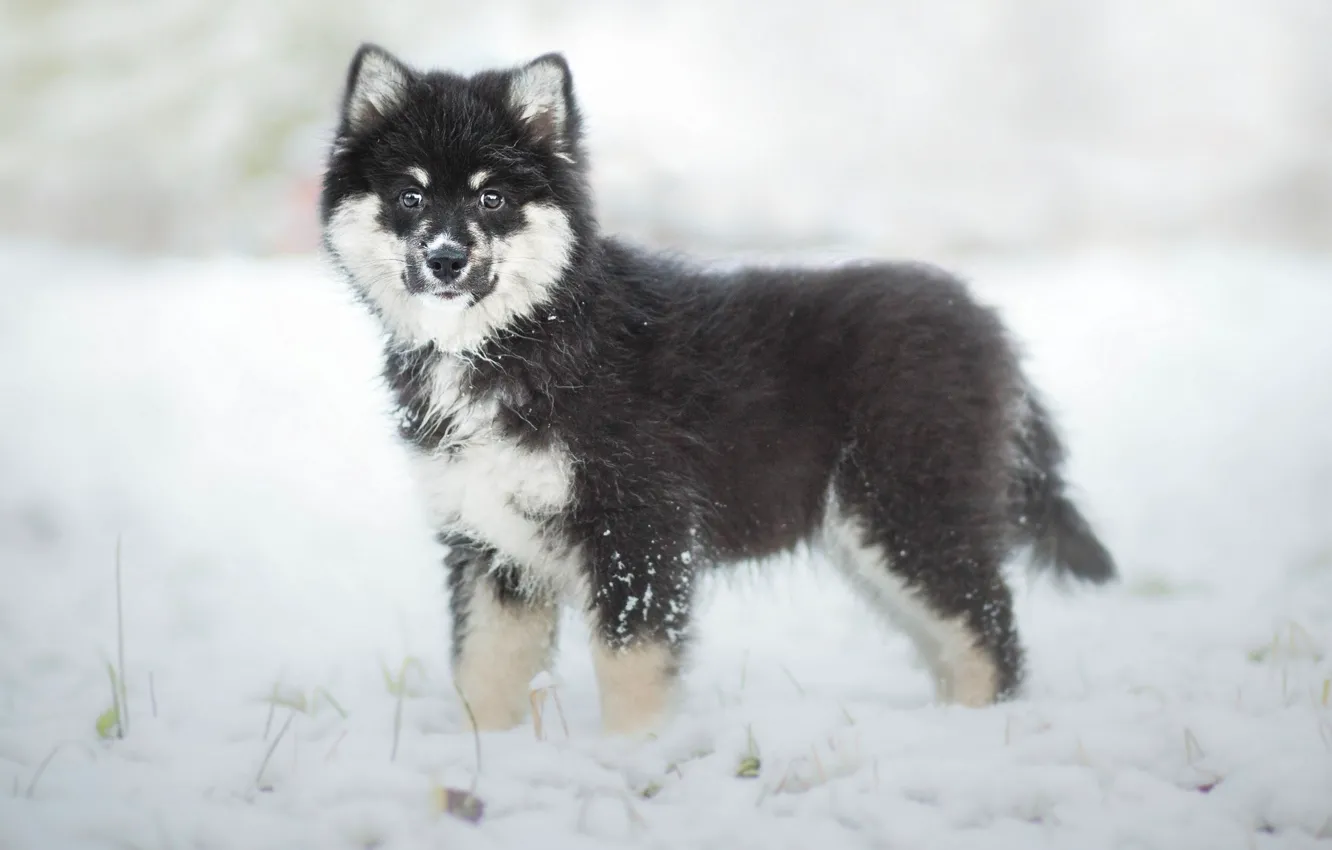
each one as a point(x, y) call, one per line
point(541, 95)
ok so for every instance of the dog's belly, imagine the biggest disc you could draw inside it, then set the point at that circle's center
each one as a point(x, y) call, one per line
point(504, 496)
point(768, 493)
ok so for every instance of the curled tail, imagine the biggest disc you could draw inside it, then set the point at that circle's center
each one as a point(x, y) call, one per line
point(1061, 540)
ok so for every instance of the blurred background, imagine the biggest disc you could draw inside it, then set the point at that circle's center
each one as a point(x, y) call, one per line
point(188, 127)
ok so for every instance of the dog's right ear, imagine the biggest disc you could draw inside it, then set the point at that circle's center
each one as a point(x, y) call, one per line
point(376, 83)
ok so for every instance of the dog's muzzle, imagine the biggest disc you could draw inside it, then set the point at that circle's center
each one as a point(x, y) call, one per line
point(447, 262)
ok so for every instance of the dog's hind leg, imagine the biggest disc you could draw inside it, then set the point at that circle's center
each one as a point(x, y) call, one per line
point(949, 597)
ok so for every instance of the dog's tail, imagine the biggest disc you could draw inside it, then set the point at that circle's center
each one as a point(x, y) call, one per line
point(1044, 518)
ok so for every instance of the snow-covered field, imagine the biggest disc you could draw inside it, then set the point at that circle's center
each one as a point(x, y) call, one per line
point(223, 417)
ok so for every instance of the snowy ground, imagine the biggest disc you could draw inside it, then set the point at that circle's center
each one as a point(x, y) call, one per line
point(224, 418)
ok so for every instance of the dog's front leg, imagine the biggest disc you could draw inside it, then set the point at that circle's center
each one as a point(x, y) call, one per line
point(503, 633)
point(642, 584)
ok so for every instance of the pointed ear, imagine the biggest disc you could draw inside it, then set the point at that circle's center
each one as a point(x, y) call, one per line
point(376, 82)
point(541, 95)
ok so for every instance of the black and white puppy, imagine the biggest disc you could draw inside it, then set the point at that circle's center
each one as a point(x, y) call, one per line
point(597, 424)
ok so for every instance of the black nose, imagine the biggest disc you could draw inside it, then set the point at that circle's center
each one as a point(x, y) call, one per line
point(447, 262)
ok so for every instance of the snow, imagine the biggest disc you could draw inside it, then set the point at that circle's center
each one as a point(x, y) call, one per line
point(223, 417)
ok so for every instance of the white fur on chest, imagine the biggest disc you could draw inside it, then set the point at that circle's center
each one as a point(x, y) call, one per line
point(484, 484)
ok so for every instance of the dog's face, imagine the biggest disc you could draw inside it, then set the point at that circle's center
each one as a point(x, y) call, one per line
point(455, 204)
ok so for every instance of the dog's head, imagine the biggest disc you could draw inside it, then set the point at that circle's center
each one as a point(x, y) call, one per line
point(455, 205)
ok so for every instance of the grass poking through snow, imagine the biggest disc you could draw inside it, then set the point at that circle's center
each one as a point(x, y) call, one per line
point(1296, 644)
point(544, 686)
point(397, 686)
point(750, 763)
point(45, 763)
point(114, 722)
point(464, 805)
point(263, 765)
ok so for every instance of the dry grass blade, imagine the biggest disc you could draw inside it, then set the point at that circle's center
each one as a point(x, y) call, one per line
point(333, 750)
point(537, 698)
point(328, 698)
point(399, 683)
point(397, 728)
point(476, 733)
point(800, 689)
point(263, 765)
point(272, 709)
point(1192, 749)
point(455, 802)
point(120, 648)
point(1266, 651)
point(108, 723)
point(652, 789)
point(41, 768)
point(750, 764)
point(398, 687)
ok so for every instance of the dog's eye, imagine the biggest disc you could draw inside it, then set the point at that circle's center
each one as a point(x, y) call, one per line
point(491, 200)
point(410, 198)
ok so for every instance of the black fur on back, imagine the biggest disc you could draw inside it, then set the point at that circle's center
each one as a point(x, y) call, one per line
point(714, 416)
